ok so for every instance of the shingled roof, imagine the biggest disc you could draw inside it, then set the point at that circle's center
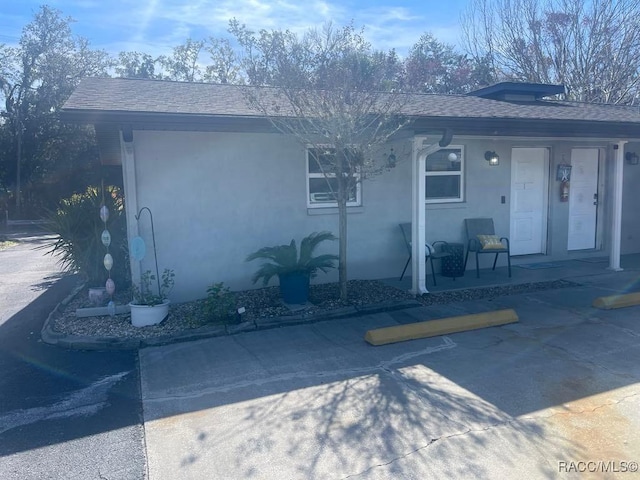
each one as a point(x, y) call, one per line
point(117, 100)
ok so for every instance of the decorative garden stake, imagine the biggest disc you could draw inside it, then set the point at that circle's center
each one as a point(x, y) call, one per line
point(147, 307)
point(138, 247)
point(110, 285)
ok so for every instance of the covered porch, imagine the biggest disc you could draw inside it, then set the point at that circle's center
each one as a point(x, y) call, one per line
point(555, 225)
point(578, 270)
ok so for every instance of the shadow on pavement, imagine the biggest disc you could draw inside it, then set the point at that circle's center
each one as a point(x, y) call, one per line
point(49, 395)
point(318, 399)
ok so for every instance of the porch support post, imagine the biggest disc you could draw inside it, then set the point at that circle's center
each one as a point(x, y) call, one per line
point(616, 220)
point(418, 235)
point(130, 196)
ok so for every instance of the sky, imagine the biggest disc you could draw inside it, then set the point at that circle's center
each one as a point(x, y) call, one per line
point(156, 26)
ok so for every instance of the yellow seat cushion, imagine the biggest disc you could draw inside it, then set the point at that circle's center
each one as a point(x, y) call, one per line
point(490, 242)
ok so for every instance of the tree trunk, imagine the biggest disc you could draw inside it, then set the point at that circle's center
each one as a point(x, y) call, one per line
point(342, 228)
point(342, 246)
point(18, 168)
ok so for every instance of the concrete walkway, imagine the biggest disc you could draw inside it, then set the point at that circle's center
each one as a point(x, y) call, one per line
point(537, 399)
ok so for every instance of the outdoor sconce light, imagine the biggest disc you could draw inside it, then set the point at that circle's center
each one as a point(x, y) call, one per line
point(492, 158)
point(632, 158)
point(391, 159)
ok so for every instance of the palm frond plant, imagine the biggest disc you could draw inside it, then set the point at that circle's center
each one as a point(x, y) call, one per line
point(77, 224)
point(294, 268)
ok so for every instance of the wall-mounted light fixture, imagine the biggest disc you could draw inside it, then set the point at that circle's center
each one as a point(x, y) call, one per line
point(632, 158)
point(391, 159)
point(492, 158)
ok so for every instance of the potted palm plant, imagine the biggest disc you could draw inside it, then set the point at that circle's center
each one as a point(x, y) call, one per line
point(294, 269)
point(147, 307)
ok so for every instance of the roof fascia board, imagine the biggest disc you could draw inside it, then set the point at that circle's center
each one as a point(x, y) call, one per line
point(509, 127)
point(545, 139)
point(165, 121)
point(492, 127)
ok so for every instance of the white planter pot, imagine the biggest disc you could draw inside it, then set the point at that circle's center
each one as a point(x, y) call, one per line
point(145, 315)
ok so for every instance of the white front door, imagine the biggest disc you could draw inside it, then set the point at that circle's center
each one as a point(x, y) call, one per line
point(583, 199)
point(529, 168)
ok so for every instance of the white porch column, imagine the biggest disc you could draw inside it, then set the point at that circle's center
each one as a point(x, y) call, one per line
point(418, 235)
point(130, 197)
point(616, 220)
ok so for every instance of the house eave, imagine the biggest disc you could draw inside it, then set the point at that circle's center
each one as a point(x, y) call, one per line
point(517, 127)
point(480, 126)
point(169, 121)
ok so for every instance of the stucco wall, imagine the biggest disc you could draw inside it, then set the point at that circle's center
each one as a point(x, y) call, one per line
point(216, 197)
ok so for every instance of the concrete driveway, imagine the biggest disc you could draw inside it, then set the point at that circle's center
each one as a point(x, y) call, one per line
point(553, 396)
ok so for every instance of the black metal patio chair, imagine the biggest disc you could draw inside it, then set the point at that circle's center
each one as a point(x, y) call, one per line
point(481, 238)
point(433, 251)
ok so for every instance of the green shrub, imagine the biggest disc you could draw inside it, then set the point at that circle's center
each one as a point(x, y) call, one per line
point(145, 295)
point(77, 223)
point(220, 303)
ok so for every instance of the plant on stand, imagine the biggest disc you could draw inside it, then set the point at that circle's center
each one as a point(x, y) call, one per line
point(294, 271)
point(149, 307)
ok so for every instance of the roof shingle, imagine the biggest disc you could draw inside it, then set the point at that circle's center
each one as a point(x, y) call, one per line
point(117, 95)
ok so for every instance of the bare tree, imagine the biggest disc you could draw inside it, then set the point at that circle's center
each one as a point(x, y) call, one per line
point(326, 90)
point(436, 67)
point(593, 48)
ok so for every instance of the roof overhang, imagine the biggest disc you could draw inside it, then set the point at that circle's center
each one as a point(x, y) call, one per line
point(505, 127)
point(492, 127)
point(169, 121)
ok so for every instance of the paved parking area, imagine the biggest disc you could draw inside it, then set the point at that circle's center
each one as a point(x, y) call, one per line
point(556, 395)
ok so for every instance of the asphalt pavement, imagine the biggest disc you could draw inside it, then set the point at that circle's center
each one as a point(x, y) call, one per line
point(556, 395)
point(63, 414)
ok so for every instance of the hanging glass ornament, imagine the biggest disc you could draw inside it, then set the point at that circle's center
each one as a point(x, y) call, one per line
point(108, 261)
point(106, 238)
point(104, 214)
point(110, 286)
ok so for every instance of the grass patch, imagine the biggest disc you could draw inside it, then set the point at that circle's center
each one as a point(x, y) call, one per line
point(6, 243)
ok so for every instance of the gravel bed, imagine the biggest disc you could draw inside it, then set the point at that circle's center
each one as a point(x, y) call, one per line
point(265, 303)
point(487, 293)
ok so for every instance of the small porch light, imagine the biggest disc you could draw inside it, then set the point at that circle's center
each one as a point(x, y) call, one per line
point(492, 158)
point(391, 159)
point(632, 158)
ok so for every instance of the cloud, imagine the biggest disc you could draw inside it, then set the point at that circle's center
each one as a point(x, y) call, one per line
point(156, 26)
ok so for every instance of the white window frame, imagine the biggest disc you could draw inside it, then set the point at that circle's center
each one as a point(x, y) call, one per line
point(309, 176)
point(448, 173)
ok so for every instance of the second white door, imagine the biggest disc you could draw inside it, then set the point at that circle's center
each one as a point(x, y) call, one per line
point(583, 199)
